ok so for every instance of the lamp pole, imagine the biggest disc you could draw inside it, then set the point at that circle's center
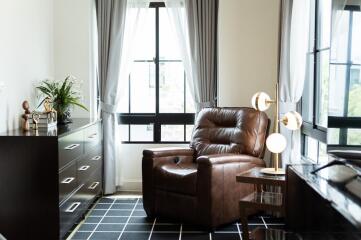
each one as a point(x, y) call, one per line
point(276, 127)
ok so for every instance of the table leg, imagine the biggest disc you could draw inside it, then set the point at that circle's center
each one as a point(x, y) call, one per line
point(244, 221)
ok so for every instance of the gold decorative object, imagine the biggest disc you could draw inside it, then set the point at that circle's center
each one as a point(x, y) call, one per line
point(276, 142)
point(47, 105)
point(35, 118)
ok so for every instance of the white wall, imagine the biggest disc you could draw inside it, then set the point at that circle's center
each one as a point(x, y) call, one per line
point(131, 171)
point(248, 49)
point(73, 47)
point(26, 54)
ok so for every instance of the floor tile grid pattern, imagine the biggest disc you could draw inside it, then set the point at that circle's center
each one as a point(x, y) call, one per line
point(125, 219)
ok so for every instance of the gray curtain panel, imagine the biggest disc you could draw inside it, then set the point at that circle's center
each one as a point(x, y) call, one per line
point(111, 23)
point(202, 16)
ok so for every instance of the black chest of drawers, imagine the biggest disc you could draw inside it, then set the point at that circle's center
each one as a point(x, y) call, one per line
point(48, 179)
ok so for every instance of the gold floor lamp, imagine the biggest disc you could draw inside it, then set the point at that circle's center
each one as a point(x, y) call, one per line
point(276, 142)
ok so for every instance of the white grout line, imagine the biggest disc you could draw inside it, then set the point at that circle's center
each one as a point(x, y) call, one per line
point(128, 219)
point(180, 232)
point(239, 232)
point(101, 220)
point(154, 231)
point(264, 222)
point(151, 231)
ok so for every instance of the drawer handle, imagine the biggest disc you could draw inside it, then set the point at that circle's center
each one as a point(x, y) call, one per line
point(96, 158)
point(93, 185)
point(72, 146)
point(84, 168)
point(93, 136)
point(68, 180)
point(73, 207)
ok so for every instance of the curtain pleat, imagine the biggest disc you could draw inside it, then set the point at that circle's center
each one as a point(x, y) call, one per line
point(195, 23)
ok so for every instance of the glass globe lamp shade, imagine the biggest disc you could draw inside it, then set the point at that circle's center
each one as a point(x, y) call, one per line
point(276, 143)
point(292, 120)
point(261, 101)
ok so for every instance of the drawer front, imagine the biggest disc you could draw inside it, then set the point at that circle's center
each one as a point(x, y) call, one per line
point(93, 187)
point(88, 164)
point(70, 147)
point(67, 181)
point(71, 211)
point(92, 137)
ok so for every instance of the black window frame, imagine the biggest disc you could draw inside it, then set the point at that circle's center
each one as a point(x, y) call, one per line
point(157, 119)
point(345, 122)
point(312, 129)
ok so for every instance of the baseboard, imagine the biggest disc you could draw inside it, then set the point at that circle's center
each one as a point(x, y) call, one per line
point(130, 186)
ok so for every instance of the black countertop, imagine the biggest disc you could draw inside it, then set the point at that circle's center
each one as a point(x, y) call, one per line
point(59, 131)
point(340, 200)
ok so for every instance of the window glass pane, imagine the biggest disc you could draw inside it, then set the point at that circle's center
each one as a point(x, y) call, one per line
point(333, 136)
point(171, 87)
point(324, 24)
point(356, 38)
point(311, 148)
point(189, 131)
point(354, 136)
point(322, 83)
point(354, 104)
point(124, 132)
point(145, 37)
point(124, 99)
point(168, 43)
point(323, 157)
point(311, 40)
point(307, 96)
point(340, 42)
point(142, 88)
point(337, 90)
point(172, 133)
point(141, 133)
point(189, 101)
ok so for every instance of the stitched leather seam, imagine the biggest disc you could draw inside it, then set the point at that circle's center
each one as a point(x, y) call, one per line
point(255, 142)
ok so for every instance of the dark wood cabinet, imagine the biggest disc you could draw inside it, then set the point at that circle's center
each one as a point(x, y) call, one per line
point(48, 179)
point(313, 204)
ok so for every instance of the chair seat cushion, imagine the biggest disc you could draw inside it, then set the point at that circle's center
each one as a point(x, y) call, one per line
point(178, 178)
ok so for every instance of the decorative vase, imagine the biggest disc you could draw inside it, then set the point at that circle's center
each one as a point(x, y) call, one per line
point(64, 117)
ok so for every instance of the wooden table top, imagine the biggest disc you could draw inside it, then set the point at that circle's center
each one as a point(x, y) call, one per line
point(254, 176)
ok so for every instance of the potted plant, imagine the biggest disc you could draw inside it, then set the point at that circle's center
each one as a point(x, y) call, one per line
point(63, 97)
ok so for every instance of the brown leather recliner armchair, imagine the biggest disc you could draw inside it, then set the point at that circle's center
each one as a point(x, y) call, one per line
point(198, 184)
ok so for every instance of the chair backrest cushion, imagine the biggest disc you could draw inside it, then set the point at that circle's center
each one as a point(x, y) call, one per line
point(230, 130)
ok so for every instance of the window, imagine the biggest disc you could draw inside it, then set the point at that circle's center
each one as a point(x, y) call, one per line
point(157, 106)
point(315, 96)
point(333, 83)
point(345, 80)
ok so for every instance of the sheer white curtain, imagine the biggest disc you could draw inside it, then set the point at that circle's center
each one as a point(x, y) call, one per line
point(339, 34)
point(295, 29)
point(117, 22)
point(134, 24)
point(177, 15)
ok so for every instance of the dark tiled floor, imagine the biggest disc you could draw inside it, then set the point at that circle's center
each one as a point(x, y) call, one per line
point(125, 219)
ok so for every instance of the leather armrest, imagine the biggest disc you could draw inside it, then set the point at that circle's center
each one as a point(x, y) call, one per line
point(216, 180)
point(167, 152)
point(228, 158)
point(157, 157)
